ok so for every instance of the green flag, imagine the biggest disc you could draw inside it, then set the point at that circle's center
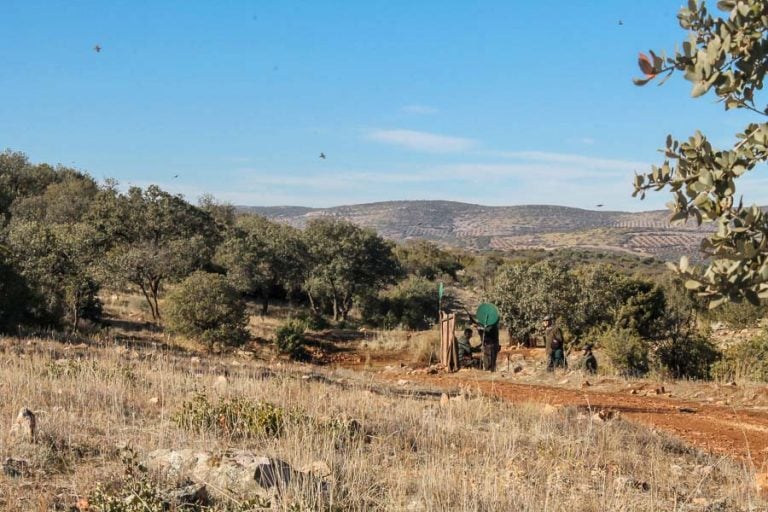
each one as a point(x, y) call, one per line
point(440, 291)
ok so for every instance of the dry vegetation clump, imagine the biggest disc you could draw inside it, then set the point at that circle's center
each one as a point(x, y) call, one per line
point(383, 452)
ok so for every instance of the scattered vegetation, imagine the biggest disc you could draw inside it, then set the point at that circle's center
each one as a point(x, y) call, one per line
point(744, 361)
point(236, 418)
point(290, 337)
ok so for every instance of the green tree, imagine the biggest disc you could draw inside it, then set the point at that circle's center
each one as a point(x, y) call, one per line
point(20, 179)
point(727, 56)
point(153, 237)
point(62, 202)
point(425, 259)
point(207, 307)
point(58, 261)
point(411, 303)
point(259, 255)
point(346, 262)
point(527, 293)
point(15, 295)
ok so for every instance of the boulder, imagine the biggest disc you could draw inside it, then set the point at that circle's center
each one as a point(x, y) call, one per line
point(234, 472)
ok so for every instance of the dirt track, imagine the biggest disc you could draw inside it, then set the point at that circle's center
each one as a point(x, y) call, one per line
point(741, 433)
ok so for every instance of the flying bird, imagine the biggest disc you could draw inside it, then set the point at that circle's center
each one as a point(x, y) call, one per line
point(97, 49)
point(621, 22)
point(322, 155)
point(599, 206)
point(175, 176)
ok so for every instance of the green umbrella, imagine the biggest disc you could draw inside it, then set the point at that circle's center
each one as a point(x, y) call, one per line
point(487, 315)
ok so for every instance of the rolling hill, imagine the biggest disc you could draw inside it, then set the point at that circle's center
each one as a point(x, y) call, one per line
point(507, 228)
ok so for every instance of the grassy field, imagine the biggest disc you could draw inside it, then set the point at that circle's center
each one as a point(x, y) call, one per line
point(409, 453)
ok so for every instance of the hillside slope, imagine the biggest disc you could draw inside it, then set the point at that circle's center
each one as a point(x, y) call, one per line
point(509, 227)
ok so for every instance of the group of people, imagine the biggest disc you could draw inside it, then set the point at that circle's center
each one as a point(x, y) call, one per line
point(554, 343)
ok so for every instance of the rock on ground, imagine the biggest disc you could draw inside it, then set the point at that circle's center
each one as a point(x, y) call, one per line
point(237, 472)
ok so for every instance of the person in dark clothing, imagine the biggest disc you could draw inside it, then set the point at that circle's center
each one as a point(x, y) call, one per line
point(464, 346)
point(555, 345)
point(490, 337)
point(589, 361)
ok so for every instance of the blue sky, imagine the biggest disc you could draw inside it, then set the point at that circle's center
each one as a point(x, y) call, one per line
point(485, 102)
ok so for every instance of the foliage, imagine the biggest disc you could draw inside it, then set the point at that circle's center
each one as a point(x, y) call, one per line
point(412, 304)
point(739, 316)
point(207, 307)
point(153, 237)
point(726, 55)
point(15, 296)
point(346, 262)
point(628, 352)
point(425, 259)
point(643, 308)
point(233, 417)
point(259, 255)
point(527, 293)
point(689, 357)
point(746, 360)
point(289, 337)
point(58, 262)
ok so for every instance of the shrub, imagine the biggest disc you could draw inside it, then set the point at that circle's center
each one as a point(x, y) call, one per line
point(746, 360)
point(411, 304)
point(289, 337)
point(739, 316)
point(627, 351)
point(234, 417)
point(207, 307)
point(690, 356)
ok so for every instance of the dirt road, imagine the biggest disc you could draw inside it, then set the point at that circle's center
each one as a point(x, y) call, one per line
point(741, 433)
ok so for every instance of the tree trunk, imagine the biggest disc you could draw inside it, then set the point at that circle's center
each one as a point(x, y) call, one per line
point(155, 293)
point(312, 305)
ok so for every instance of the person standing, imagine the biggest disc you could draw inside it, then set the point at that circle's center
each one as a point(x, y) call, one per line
point(555, 345)
point(489, 337)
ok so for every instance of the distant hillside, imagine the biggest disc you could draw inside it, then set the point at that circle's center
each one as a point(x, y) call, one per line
point(509, 227)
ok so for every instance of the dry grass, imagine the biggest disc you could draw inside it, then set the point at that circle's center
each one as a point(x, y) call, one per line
point(468, 454)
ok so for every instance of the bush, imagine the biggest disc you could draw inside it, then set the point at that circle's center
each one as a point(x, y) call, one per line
point(747, 360)
point(739, 316)
point(411, 304)
point(235, 417)
point(289, 338)
point(627, 351)
point(688, 357)
point(207, 307)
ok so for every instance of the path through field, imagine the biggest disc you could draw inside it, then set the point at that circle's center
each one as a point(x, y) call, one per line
point(742, 433)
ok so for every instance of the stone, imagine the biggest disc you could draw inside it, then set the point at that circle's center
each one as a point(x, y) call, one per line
point(402, 382)
point(25, 426)
point(604, 415)
point(220, 383)
point(154, 400)
point(234, 472)
point(317, 469)
point(191, 494)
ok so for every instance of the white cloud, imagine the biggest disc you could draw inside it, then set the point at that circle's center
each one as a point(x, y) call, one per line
point(422, 141)
point(575, 161)
point(419, 109)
